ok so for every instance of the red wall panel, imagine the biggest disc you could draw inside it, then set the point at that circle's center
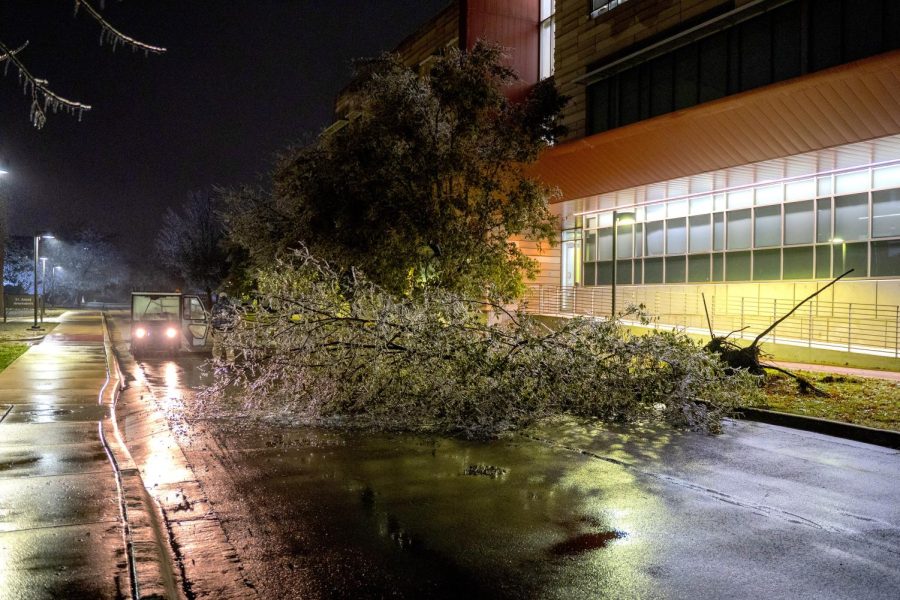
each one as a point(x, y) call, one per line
point(513, 24)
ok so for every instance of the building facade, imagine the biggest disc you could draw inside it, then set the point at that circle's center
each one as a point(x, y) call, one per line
point(754, 146)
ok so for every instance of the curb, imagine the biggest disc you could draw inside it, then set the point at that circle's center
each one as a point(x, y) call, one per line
point(149, 561)
point(858, 433)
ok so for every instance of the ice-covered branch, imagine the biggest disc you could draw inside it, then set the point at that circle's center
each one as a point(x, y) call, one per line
point(113, 36)
point(42, 97)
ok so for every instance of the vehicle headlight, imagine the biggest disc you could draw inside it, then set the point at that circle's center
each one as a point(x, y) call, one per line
point(171, 332)
point(140, 332)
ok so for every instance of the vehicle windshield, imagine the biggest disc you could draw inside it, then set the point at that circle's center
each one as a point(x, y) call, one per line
point(155, 307)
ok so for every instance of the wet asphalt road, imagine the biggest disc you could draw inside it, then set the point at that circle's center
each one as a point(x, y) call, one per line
point(570, 510)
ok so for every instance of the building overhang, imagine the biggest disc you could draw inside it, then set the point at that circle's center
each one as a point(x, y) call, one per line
point(851, 103)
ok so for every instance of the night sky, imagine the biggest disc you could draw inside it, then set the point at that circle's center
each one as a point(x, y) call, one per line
point(241, 80)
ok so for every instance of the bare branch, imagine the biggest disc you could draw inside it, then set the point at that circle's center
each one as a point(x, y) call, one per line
point(113, 36)
point(42, 97)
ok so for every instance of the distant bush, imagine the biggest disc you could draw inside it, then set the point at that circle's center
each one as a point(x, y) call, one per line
point(332, 348)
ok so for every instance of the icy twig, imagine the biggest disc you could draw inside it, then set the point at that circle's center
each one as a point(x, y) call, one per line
point(108, 33)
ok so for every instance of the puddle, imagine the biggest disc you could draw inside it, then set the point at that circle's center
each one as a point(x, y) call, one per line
point(585, 542)
point(8, 465)
point(43, 415)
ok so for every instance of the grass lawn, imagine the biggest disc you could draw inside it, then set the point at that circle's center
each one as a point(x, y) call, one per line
point(10, 351)
point(15, 337)
point(859, 400)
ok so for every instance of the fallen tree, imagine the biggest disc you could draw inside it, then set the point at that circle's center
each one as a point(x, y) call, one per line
point(320, 347)
point(749, 358)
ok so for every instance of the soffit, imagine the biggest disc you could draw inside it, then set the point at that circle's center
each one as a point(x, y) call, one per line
point(846, 104)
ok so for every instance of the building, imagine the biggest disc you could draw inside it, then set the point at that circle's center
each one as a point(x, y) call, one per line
point(754, 146)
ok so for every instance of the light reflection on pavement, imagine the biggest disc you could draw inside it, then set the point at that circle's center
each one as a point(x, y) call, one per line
point(574, 511)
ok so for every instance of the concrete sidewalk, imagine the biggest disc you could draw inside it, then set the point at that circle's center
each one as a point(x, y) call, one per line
point(61, 527)
point(852, 371)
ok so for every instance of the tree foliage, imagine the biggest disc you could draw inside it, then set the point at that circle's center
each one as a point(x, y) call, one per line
point(18, 264)
point(189, 244)
point(326, 346)
point(425, 187)
point(85, 264)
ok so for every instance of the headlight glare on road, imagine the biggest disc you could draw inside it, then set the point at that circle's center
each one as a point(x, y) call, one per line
point(140, 332)
point(171, 332)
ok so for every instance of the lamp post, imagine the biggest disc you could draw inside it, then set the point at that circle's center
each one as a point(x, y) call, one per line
point(624, 218)
point(3, 172)
point(37, 244)
point(43, 285)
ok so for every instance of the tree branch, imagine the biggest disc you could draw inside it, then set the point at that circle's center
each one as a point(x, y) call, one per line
point(42, 97)
point(110, 34)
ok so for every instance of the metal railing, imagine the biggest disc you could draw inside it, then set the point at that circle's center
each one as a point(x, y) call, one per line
point(844, 326)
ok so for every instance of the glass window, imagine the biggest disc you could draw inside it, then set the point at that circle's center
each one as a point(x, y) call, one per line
point(686, 65)
point(590, 273)
point(599, 7)
point(604, 272)
point(700, 234)
point(714, 66)
point(887, 177)
point(675, 269)
point(847, 183)
point(655, 238)
point(851, 256)
point(767, 265)
point(678, 208)
point(676, 236)
point(656, 212)
point(885, 258)
point(590, 223)
point(719, 203)
point(662, 84)
point(798, 223)
point(886, 213)
point(548, 35)
point(740, 199)
point(638, 239)
point(767, 228)
point(823, 220)
point(800, 190)
point(798, 263)
point(719, 231)
point(624, 241)
point(698, 268)
point(590, 246)
point(755, 53)
point(653, 270)
point(623, 271)
point(702, 205)
point(604, 243)
point(738, 229)
point(824, 185)
point(823, 261)
point(771, 194)
point(851, 217)
point(737, 266)
point(638, 270)
point(718, 267)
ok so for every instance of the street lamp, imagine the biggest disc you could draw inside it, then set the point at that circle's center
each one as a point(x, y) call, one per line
point(624, 218)
point(37, 242)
